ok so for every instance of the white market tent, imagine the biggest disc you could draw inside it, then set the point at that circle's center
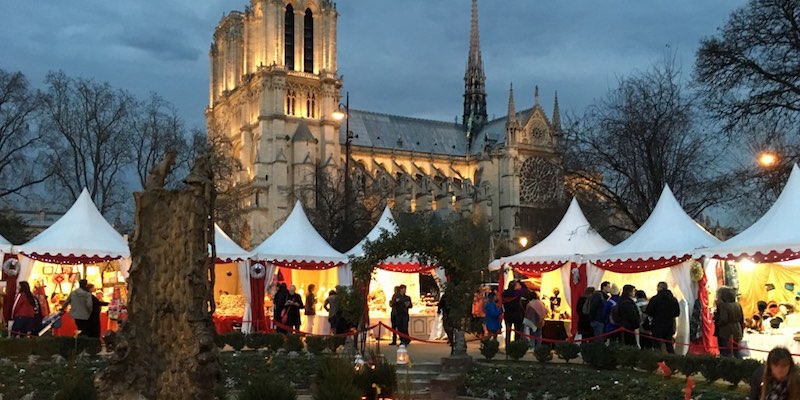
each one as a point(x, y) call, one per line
point(81, 235)
point(774, 237)
point(227, 250)
point(661, 249)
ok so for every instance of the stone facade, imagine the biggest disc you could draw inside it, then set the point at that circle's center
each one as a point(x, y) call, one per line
point(274, 90)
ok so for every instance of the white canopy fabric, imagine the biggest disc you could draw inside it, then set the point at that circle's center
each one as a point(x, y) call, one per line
point(80, 233)
point(5, 245)
point(572, 237)
point(385, 223)
point(775, 236)
point(227, 250)
point(296, 244)
point(669, 234)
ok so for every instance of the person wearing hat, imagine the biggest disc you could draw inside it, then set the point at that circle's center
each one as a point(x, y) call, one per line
point(611, 324)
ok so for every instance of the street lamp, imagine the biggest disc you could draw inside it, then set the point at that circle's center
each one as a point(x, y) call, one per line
point(767, 159)
point(343, 113)
point(523, 241)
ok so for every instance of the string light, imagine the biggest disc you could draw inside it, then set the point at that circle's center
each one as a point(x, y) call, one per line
point(70, 259)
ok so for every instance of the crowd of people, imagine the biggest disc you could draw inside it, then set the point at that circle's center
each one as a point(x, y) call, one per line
point(29, 309)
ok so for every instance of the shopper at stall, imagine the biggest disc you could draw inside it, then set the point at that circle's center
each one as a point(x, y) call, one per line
point(93, 324)
point(80, 302)
point(493, 310)
point(393, 315)
point(443, 309)
point(663, 309)
point(777, 379)
point(292, 306)
point(611, 317)
point(645, 329)
point(514, 313)
point(730, 322)
point(535, 315)
point(311, 307)
point(584, 313)
point(402, 304)
point(281, 295)
point(332, 307)
point(629, 316)
point(26, 313)
point(597, 309)
point(478, 314)
point(41, 295)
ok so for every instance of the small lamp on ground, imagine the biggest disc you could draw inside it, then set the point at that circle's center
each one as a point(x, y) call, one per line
point(402, 355)
point(359, 364)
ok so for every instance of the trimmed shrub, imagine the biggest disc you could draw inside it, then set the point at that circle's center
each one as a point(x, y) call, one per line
point(543, 353)
point(264, 388)
point(688, 365)
point(47, 346)
point(489, 348)
point(517, 349)
point(256, 341)
point(219, 340)
point(567, 351)
point(315, 344)
point(274, 341)
point(294, 342)
point(598, 355)
point(332, 343)
point(335, 381)
point(710, 368)
point(236, 340)
point(730, 370)
point(627, 356)
point(648, 360)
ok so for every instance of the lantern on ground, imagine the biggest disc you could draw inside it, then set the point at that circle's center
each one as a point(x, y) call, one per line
point(402, 355)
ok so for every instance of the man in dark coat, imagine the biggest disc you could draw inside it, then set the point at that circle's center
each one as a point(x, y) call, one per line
point(281, 295)
point(514, 313)
point(402, 304)
point(663, 309)
point(597, 308)
point(628, 315)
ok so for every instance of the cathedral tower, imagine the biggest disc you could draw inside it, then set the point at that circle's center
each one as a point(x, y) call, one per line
point(474, 116)
point(273, 90)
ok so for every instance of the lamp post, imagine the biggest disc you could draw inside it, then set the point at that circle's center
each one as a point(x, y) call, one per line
point(339, 115)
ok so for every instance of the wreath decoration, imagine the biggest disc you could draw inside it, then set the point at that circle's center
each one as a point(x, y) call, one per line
point(11, 267)
point(696, 272)
point(258, 271)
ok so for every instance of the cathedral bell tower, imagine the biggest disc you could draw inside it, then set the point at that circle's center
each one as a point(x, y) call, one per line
point(474, 115)
point(273, 91)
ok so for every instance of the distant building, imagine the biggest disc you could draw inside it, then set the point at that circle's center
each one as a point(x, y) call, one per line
point(39, 220)
point(274, 90)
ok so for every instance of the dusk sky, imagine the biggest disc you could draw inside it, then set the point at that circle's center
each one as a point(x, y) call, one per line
point(401, 57)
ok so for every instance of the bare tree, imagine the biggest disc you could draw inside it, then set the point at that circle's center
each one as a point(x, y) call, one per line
point(641, 136)
point(751, 69)
point(156, 129)
point(20, 140)
point(89, 125)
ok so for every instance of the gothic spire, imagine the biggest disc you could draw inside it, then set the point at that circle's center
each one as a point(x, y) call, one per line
point(556, 115)
point(474, 79)
point(536, 95)
point(511, 118)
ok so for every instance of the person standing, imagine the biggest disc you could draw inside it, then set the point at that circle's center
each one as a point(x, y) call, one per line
point(279, 300)
point(24, 312)
point(493, 309)
point(293, 305)
point(332, 307)
point(80, 302)
point(402, 304)
point(393, 315)
point(730, 322)
point(443, 309)
point(535, 315)
point(94, 317)
point(629, 315)
point(610, 320)
point(597, 309)
point(645, 328)
point(514, 313)
point(663, 309)
point(584, 313)
point(478, 314)
point(311, 307)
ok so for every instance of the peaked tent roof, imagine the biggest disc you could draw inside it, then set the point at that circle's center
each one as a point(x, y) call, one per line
point(5, 245)
point(668, 237)
point(227, 250)
point(573, 236)
point(402, 263)
point(774, 237)
point(81, 235)
point(296, 244)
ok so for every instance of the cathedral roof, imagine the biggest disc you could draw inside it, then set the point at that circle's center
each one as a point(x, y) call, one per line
point(384, 131)
point(495, 130)
point(302, 134)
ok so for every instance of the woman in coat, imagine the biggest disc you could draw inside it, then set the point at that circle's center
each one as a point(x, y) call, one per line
point(493, 311)
point(25, 312)
point(730, 322)
point(585, 318)
point(294, 303)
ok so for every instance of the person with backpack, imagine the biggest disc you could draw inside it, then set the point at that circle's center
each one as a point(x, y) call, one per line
point(663, 308)
point(628, 314)
point(597, 309)
point(584, 313)
point(612, 318)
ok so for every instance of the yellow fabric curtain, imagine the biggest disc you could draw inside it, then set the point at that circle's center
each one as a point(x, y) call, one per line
point(753, 282)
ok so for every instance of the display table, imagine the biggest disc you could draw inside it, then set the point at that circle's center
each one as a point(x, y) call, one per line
point(556, 329)
point(770, 339)
point(68, 327)
point(225, 323)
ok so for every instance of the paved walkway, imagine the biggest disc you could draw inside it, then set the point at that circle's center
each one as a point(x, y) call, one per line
point(420, 352)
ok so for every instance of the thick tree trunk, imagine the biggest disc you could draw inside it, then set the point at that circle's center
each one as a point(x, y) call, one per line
point(166, 348)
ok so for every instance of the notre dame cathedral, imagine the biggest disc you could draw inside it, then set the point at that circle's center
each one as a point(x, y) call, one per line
point(275, 88)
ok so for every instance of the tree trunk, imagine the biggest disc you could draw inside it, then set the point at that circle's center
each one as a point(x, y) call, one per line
point(166, 348)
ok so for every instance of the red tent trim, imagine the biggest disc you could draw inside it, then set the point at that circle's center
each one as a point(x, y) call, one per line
point(407, 267)
point(759, 257)
point(227, 260)
point(640, 265)
point(302, 264)
point(539, 268)
point(70, 259)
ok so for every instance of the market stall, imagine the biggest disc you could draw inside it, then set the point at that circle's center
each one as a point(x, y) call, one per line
point(396, 271)
point(302, 257)
point(767, 259)
point(558, 261)
point(231, 284)
point(8, 283)
point(662, 249)
point(80, 245)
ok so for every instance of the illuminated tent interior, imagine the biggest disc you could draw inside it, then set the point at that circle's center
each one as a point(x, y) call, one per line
point(231, 280)
point(662, 250)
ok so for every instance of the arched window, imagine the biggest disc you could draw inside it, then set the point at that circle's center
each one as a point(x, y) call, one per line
point(308, 42)
point(288, 38)
point(311, 105)
point(291, 99)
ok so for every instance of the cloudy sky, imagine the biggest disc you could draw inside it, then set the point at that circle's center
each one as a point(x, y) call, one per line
point(403, 57)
